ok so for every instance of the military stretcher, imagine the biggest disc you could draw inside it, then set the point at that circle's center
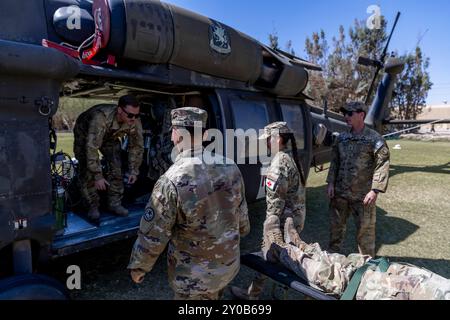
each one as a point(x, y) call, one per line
point(282, 275)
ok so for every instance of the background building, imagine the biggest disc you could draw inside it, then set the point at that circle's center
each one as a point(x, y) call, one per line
point(441, 111)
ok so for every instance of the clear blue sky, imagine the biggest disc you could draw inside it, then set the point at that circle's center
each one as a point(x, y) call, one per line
point(296, 19)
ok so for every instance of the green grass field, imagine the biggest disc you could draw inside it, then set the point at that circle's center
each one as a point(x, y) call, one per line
point(65, 142)
point(413, 217)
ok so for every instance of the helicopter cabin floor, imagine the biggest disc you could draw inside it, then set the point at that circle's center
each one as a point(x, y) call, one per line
point(80, 234)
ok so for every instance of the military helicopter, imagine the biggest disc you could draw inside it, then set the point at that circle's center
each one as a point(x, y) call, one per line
point(102, 49)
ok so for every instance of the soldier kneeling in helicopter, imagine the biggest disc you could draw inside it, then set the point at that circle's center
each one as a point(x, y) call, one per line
point(100, 129)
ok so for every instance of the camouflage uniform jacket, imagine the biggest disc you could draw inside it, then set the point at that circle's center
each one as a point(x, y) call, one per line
point(97, 128)
point(332, 272)
point(201, 211)
point(285, 193)
point(360, 163)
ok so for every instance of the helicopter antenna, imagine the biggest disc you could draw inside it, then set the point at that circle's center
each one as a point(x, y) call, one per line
point(379, 64)
point(421, 37)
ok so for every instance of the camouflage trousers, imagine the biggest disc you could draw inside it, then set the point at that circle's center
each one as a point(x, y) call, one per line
point(331, 272)
point(365, 219)
point(112, 155)
point(199, 296)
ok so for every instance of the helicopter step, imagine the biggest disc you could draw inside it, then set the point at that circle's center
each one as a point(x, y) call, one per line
point(80, 234)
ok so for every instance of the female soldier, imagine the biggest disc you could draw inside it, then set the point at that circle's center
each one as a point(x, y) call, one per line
point(285, 197)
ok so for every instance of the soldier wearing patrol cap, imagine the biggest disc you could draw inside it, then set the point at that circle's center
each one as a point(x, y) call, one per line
point(200, 211)
point(285, 196)
point(359, 170)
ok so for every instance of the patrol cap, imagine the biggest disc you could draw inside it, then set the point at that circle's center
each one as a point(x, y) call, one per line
point(354, 106)
point(275, 127)
point(189, 117)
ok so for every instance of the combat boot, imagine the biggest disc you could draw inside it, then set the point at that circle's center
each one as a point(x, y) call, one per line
point(118, 210)
point(291, 235)
point(94, 215)
point(272, 239)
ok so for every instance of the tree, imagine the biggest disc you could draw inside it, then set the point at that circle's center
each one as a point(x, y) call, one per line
point(342, 79)
point(317, 49)
point(340, 72)
point(289, 48)
point(69, 109)
point(273, 40)
point(317, 52)
point(366, 43)
point(412, 87)
point(345, 79)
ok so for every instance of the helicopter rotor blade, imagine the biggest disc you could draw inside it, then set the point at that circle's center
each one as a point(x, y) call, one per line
point(397, 17)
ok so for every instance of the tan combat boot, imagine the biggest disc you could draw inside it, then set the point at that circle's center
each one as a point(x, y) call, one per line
point(291, 235)
point(119, 211)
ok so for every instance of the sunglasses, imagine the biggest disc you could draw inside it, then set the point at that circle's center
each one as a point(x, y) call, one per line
point(350, 113)
point(130, 115)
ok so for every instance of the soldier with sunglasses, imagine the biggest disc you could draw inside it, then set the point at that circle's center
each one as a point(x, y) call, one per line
point(101, 128)
point(359, 171)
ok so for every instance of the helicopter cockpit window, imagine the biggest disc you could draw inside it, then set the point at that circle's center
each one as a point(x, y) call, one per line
point(293, 115)
point(248, 114)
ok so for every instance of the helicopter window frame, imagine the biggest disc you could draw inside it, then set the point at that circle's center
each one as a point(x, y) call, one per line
point(244, 101)
point(299, 134)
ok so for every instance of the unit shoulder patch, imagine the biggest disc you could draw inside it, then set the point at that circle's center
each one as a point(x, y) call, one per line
point(149, 214)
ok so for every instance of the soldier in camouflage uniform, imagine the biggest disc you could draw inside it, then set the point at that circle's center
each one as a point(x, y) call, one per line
point(359, 171)
point(285, 195)
point(332, 272)
point(101, 128)
point(200, 210)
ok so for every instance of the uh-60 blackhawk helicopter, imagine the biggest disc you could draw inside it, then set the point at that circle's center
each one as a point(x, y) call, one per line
point(103, 49)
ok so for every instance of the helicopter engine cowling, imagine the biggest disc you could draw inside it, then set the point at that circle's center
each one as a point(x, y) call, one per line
point(153, 32)
point(160, 33)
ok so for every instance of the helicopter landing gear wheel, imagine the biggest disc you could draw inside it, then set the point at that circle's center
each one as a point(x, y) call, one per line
point(32, 287)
